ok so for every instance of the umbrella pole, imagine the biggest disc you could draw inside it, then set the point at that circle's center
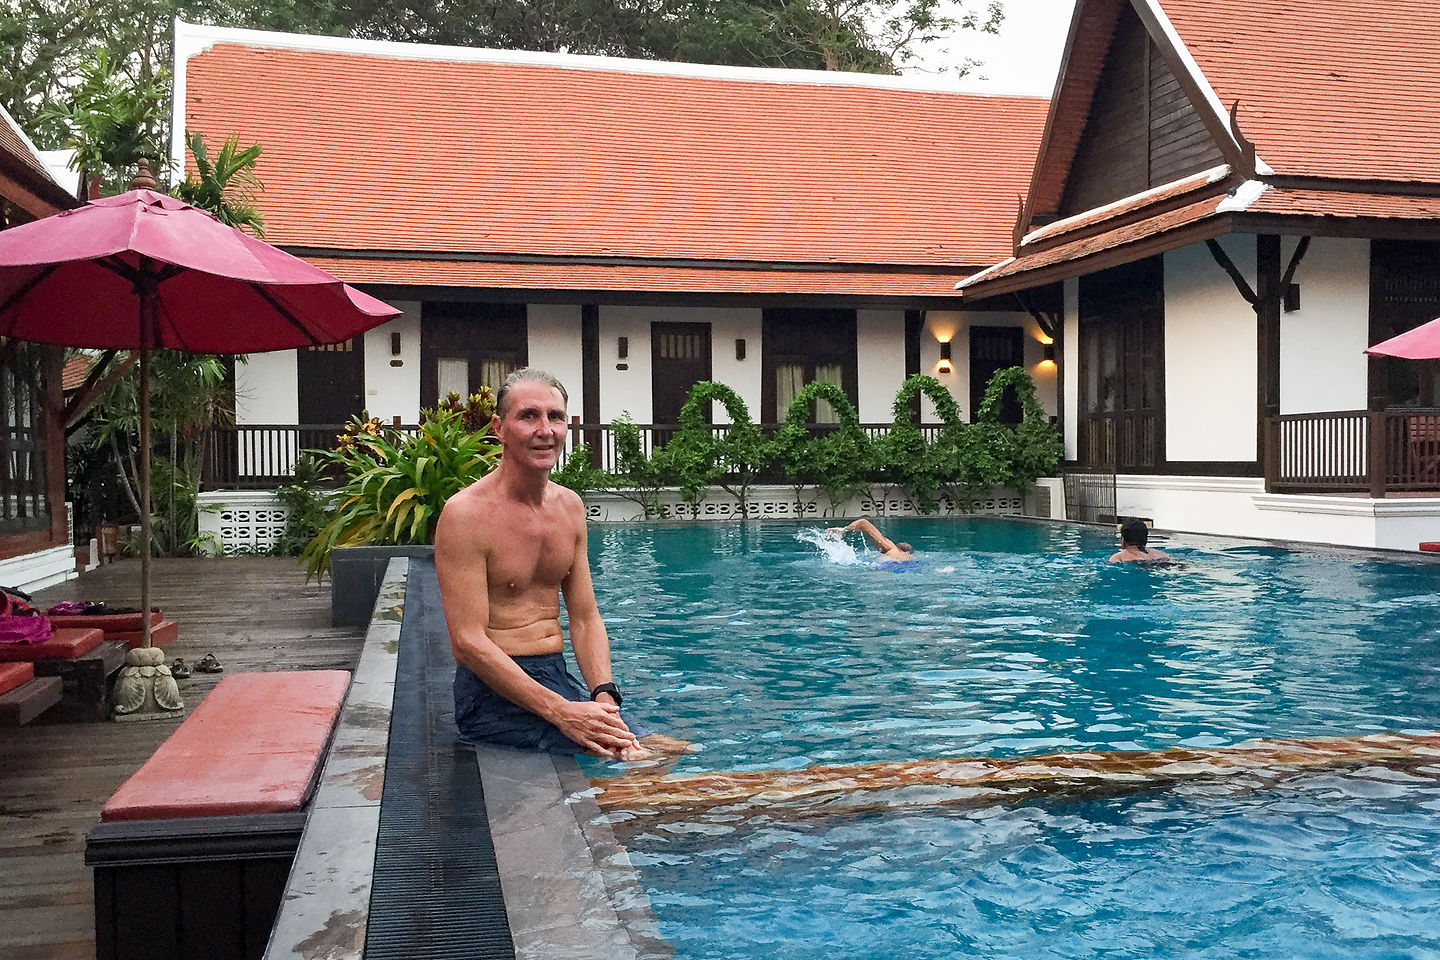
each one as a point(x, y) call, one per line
point(145, 689)
point(145, 531)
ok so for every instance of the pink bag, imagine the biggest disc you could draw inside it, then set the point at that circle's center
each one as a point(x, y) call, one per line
point(23, 629)
point(22, 623)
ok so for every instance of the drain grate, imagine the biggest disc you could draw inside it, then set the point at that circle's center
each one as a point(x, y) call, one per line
point(436, 892)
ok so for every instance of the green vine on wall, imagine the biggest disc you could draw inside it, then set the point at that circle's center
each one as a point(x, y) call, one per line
point(919, 467)
point(699, 456)
point(637, 476)
point(838, 461)
point(1034, 448)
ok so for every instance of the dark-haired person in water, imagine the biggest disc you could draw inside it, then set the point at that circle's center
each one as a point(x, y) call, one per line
point(889, 550)
point(1133, 536)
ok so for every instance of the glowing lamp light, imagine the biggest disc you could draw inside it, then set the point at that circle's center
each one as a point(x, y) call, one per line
point(944, 365)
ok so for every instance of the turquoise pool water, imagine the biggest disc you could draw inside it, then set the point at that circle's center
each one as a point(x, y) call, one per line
point(1014, 639)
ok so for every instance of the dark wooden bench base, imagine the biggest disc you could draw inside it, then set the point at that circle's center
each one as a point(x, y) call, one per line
point(201, 888)
point(87, 680)
point(29, 700)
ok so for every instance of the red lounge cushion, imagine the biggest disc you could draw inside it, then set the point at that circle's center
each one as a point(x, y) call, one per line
point(252, 746)
point(109, 622)
point(1430, 546)
point(64, 645)
point(162, 634)
point(13, 675)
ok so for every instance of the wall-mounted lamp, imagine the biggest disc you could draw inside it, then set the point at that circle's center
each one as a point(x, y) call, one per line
point(740, 348)
point(944, 365)
point(395, 343)
point(1292, 297)
point(1049, 354)
point(622, 348)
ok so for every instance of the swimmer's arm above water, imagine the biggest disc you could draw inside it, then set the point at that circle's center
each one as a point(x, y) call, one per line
point(461, 567)
point(882, 542)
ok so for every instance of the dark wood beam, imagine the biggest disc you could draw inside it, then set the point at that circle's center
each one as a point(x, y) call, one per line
point(96, 385)
point(1228, 265)
point(590, 374)
point(1268, 307)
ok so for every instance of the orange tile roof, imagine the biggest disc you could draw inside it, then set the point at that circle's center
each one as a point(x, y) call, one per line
point(417, 152)
point(24, 180)
point(1344, 205)
point(639, 279)
point(1184, 225)
point(76, 370)
point(1325, 89)
point(1140, 205)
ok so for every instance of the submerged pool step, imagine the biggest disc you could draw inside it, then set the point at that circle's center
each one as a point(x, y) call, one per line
point(990, 779)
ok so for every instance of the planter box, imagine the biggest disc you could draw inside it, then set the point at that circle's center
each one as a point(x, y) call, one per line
point(355, 575)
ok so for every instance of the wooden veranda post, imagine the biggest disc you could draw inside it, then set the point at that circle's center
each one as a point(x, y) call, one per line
point(1375, 446)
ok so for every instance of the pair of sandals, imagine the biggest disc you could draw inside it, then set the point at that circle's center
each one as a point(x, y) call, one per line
point(206, 664)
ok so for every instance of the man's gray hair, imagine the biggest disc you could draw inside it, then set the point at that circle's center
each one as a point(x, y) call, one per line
point(523, 375)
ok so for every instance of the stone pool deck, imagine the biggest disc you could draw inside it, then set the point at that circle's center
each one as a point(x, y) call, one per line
point(421, 846)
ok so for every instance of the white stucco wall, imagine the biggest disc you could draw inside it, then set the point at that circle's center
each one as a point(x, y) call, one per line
point(629, 390)
point(742, 376)
point(390, 390)
point(267, 389)
point(1070, 362)
point(955, 325)
point(1322, 364)
point(553, 345)
point(1210, 355)
point(880, 350)
point(1236, 506)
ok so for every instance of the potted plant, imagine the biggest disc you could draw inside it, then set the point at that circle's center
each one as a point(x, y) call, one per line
point(394, 485)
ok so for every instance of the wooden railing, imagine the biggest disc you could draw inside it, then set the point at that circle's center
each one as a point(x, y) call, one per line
point(1371, 452)
point(1130, 441)
point(262, 456)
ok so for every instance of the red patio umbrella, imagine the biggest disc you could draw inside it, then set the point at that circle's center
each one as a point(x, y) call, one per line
point(1422, 343)
point(143, 270)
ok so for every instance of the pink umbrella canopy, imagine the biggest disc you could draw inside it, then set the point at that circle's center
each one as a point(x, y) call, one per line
point(1422, 343)
point(143, 270)
point(80, 279)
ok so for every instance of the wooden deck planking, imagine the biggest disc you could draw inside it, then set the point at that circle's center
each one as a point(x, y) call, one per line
point(252, 613)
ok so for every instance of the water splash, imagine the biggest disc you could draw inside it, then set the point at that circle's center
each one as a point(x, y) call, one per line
point(836, 551)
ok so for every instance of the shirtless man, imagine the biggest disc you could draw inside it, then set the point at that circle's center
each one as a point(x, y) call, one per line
point(506, 548)
point(1134, 534)
point(888, 549)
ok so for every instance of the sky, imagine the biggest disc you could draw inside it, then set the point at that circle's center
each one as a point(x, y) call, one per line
point(1024, 58)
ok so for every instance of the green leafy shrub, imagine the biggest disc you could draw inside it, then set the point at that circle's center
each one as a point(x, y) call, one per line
point(395, 484)
point(637, 477)
point(309, 500)
point(1029, 451)
point(577, 474)
point(839, 461)
point(699, 456)
point(906, 459)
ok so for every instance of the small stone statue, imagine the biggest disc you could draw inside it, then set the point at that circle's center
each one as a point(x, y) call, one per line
point(145, 689)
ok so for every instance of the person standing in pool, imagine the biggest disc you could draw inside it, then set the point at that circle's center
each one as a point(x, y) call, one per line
point(1134, 534)
point(889, 550)
point(506, 548)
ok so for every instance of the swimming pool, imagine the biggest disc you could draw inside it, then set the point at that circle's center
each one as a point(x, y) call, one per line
point(1014, 639)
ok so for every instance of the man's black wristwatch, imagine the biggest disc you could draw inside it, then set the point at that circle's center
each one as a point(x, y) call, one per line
point(609, 688)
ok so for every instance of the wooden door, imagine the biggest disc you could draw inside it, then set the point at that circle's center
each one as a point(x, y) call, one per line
point(679, 359)
point(1122, 367)
point(993, 349)
point(331, 381)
